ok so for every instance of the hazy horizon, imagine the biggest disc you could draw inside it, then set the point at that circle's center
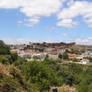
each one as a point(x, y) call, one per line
point(27, 41)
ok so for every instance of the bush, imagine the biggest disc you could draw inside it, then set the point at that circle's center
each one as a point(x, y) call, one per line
point(4, 60)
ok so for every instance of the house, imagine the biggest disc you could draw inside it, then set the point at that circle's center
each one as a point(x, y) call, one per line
point(72, 56)
point(80, 57)
point(13, 51)
point(49, 49)
point(24, 54)
point(59, 51)
point(53, 55)
point(84, 61)
point(89, 53)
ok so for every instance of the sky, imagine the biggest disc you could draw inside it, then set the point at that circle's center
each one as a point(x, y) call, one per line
point(22, 21)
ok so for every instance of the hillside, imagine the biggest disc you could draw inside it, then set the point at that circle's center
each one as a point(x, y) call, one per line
point(19, 75)
point(11, 80)
point(81, 47)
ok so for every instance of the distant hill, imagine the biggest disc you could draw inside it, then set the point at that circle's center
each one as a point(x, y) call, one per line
point(82, 47)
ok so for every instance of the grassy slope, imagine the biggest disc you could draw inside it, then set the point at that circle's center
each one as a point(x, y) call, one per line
point(11, 80)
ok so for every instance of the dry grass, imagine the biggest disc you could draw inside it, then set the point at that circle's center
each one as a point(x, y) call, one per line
point(64, 89)
point(4, 69)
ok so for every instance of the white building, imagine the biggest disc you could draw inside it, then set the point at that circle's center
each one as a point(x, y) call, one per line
point(60, 51)
point(49, 49)
point(84, 61)
point(79, 57)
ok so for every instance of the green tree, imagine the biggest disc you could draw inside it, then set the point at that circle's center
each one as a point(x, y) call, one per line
point(46, 57)
point(83, 86)
point(75, 60)
point(4, 60)
point(4, 49)
point(90, 88)
point(60, 56)
point(41, 74)
point(69, 80)
point(14, 56)
point(65, 56)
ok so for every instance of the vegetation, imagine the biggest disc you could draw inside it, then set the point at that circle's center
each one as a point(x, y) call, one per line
point(63, 56)
point(19, 75)
point(60, 56)
point(75, 60)
point(11, 80)
point(4, 49)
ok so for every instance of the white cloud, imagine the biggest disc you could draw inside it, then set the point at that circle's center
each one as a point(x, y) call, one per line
point(52, 28)
point(63, 34)
point(33, 8)
point(68, 23)
point(24, 41)
point(90, 25)
point(78, 8)
point(70, 2)
point(10, 4)
point(19, 22)
point(32, 22)
point(16, 41)
point(37, 8)
point(80, 41)
point(86, 41)
point(89, 22)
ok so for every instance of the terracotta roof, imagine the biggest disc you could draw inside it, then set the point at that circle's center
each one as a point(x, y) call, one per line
point(85, 60)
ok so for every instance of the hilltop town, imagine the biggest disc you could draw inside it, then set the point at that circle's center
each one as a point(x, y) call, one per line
point(64, 52)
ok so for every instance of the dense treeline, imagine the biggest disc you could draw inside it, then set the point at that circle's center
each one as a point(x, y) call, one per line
point(4, 49)
point(19, 75)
